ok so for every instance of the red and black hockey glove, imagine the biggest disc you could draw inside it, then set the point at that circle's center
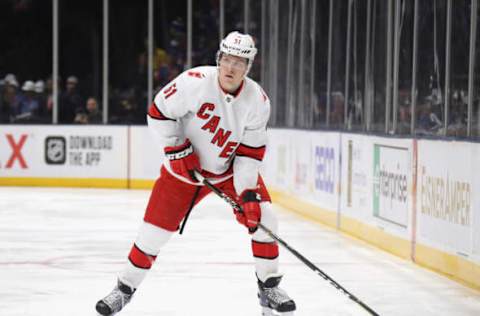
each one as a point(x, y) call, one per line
point(250, 203)
point(183, 160)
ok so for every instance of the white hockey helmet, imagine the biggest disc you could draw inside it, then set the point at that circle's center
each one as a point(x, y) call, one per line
point(238, 44)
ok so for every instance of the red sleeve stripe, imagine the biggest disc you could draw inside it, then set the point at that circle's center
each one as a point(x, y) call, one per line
point(140, 259)
point(251, 152)
point(265, 250)
point(155, 113)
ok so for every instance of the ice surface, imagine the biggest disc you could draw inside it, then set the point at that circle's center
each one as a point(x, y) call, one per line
point(61, 249)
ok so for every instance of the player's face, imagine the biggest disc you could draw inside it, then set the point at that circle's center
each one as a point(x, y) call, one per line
point(232, 71)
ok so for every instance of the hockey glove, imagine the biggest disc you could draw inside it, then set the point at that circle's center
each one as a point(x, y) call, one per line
point(250, 203)
point(183, 160)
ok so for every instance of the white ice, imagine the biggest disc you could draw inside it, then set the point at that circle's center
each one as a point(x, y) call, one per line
point(61, 250)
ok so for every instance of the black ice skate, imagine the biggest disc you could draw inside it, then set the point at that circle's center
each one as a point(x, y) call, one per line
point(116, 300)
point(274, 300)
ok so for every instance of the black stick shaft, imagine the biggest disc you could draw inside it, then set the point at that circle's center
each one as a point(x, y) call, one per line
point(294, 252)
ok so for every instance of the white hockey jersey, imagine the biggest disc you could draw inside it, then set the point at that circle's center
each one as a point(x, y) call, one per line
point(228, 132)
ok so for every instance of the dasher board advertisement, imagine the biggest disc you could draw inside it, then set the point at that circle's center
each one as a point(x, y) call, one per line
point(391, 180)
point(445, 195)
point(357, 173)
point(377, 181)
point(326, 169)
point(63, 151)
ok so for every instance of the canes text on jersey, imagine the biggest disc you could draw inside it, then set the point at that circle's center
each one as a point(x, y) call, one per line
point(220, 136)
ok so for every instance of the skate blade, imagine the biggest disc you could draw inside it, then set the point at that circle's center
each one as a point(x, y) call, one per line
point(266, 311)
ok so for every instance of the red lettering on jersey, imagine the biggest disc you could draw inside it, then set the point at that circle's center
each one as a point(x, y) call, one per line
point(228, 150)
point(206, 106)
point(220, 137)
point(170, 90)
point(195, 74)
point(212, 124)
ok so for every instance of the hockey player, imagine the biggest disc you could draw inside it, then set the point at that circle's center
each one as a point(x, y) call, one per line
point(210, 120)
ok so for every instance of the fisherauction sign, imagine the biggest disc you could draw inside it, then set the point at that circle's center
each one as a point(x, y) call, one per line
point(391, 168)
point(67, 151)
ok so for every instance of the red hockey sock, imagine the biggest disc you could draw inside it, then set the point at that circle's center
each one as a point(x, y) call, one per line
point(141, 259)
point(264, 250)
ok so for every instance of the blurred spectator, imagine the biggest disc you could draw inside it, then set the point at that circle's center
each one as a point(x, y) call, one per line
point(337, 109)
point(81, 116)
point(162, 68)
point(29, 105)
point(126, 110)
point(41, 97)
point(404, 119)
point(428, 122)
point(70, 101)
point(319, 109)
point(90, 114)
point(9, 100)
point(39, 87)
point(404, 111)
point(458, 114)
point(11, 79)
point(355, 110)
point(46, 112)
point(93, 111)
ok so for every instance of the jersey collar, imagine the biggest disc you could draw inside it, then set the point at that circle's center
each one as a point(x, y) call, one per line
point(229, 97)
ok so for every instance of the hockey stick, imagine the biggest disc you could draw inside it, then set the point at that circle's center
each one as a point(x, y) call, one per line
point(307, 262)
